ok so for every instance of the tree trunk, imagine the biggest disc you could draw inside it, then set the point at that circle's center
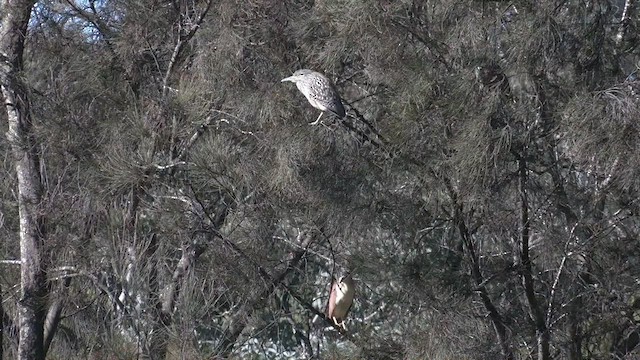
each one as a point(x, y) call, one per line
point(31, 306)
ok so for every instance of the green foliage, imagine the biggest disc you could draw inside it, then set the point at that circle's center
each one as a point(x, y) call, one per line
point(159, 157)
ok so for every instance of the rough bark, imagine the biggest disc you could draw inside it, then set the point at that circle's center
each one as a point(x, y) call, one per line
point(31, 306)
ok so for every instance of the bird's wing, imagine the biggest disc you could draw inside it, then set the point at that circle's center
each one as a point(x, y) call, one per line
point(351, 295)
point(331, 100)
point(346, 313)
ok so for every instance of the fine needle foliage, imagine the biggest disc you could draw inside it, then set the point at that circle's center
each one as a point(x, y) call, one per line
point(164, 196)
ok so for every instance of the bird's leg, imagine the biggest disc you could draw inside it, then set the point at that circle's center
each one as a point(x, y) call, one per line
point(343, 326)
point(339, 324)
point(317, 120)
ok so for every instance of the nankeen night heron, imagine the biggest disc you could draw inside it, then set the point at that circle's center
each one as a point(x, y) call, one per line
point(340, 300)
point(319, 90)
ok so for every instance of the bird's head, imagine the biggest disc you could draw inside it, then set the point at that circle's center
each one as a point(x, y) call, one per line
point(298, 75)
point(346, 278)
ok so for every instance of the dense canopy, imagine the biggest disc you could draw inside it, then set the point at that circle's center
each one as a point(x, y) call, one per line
point(164, 197)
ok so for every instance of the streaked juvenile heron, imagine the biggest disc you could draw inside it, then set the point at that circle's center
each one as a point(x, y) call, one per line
point(319, 90)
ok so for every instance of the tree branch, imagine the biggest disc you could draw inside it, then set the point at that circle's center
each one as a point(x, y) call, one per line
point(494, 314)
point(527, 278)
point(54, 316)
point(624, 21)
point(239, 320)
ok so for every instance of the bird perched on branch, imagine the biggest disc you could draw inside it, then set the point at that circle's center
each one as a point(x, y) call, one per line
point(319, 91)
point(340, 300)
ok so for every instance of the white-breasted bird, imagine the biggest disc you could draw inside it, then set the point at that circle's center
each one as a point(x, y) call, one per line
point(340, 300)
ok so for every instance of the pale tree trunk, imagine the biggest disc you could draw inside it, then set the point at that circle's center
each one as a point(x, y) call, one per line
point(31, 306)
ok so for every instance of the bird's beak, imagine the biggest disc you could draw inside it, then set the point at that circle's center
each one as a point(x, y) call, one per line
point(290, 78)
